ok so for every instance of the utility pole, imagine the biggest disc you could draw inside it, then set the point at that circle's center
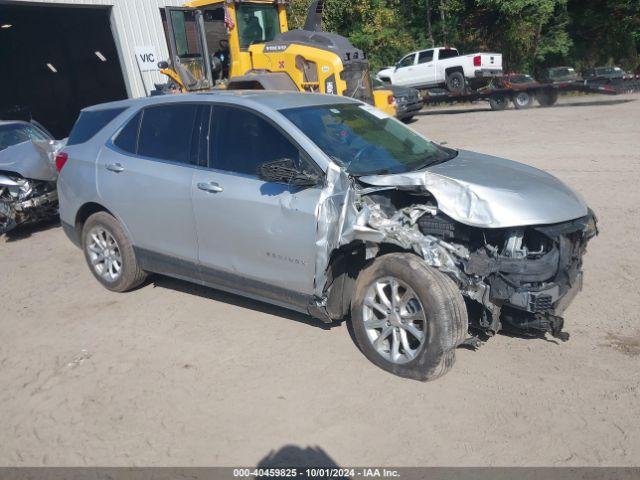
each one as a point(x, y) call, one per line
point(429, 27)
point(443, 18)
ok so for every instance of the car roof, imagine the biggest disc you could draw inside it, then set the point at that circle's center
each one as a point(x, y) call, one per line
point(275, 100)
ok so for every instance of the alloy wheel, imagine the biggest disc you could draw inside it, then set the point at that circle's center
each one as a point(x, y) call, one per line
point(394, 320)
point(104, 254)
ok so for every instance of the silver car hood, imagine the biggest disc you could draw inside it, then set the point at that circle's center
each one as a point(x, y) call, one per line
point(491, 192)
point(32, 159)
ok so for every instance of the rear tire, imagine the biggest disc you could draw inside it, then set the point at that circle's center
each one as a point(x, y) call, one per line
point(109, 253)
point(456, 83)
point(547, 98)
point(498, 102)
point(414, 333)
point(523, 100)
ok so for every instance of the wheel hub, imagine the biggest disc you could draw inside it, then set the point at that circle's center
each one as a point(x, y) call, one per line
point(104, 254)
point(394, 320)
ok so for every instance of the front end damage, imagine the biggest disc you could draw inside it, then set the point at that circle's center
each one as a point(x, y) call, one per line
point(28, 183)
point(514, 278)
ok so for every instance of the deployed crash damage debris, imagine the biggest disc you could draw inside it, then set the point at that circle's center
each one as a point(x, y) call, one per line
point(516, 278)
point(28, 183)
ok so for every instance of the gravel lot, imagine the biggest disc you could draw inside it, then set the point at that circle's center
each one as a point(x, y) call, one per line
point(174, 374)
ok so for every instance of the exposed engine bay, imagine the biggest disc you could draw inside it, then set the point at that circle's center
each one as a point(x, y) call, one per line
point(512, 278)
point(28, 183)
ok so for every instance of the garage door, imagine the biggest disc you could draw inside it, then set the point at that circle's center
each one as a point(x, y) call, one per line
point(55, 61)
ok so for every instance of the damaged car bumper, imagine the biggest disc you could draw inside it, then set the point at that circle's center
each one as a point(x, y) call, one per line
point(513, 243)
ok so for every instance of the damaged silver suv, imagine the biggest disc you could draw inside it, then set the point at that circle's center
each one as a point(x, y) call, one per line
point(324, 205)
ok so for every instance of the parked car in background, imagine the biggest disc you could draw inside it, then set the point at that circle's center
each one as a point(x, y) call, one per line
point(408, 100)
point(560, 75)
point(324, 205)
point(443, 66)
point(27, 174)
point(603, 74)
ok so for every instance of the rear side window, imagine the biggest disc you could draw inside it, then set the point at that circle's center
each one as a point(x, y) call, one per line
point(166, 132)
point(127, 139)
point(425, 57)
point(90, 123)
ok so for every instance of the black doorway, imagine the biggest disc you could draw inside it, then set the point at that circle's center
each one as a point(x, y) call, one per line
point(55, 61)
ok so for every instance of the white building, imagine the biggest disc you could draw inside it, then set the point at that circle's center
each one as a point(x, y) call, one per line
point(63, 55)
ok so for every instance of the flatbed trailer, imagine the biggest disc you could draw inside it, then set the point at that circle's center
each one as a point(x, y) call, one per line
point(522, 97)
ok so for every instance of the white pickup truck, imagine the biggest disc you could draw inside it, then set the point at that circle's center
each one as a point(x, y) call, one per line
point(443, 67)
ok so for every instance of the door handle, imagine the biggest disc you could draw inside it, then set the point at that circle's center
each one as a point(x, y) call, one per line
point(210, 187)
point(115, 167)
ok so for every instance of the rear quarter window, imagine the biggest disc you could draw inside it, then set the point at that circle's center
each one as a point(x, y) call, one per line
point(91, 122)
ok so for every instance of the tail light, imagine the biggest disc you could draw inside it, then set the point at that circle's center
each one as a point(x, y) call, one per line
point(391, 99)
point(61, 159)
point(477, 61)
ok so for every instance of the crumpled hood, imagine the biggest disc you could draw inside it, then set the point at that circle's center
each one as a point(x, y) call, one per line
point(32, 159)
point(492, 192)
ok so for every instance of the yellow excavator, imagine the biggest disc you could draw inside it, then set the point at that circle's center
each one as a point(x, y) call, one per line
point(247, 44)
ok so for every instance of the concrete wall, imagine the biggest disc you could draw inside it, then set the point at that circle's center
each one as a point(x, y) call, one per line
point(134, 23)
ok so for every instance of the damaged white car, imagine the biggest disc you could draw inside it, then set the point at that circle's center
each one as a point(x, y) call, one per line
point(326, 206)
point(27, 174)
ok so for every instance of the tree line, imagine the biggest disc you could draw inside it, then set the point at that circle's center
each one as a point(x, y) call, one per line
point(531, 34)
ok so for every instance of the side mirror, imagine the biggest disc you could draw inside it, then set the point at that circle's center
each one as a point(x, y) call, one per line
point(285, 171)
point(163, 65)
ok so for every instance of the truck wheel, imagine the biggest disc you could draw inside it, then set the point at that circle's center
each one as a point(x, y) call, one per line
point(407, 317)
point(547, 98)
point(522, 100)
point(456, 82)
point(498, 102)
point(109, 253)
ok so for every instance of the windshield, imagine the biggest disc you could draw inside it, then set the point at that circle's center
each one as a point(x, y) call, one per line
point(257, 23)
point(366, 141)
point(18, 133)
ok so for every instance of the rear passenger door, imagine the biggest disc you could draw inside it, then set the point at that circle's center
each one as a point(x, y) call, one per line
point(144, 178)
point(254, 236)
point(425, 69)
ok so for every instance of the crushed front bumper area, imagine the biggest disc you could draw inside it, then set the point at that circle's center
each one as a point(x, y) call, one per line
point(517, 278)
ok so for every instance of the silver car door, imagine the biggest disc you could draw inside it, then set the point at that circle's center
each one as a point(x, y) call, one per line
point(144, 178)
point(254, 236)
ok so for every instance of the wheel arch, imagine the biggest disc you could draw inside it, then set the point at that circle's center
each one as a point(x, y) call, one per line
point(450, 70)
point(84, 212)
point(345, 265)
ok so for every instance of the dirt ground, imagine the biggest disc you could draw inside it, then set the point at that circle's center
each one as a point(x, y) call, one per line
point(174, 374)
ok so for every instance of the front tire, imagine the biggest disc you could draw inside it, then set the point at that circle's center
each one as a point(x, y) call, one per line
point(109, 253)
point(407, 317)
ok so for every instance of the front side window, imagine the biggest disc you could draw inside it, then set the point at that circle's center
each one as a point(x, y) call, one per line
point(364, 141)
point(257, 23)
point(243, 142)
point(166, 132)
point(407, 61)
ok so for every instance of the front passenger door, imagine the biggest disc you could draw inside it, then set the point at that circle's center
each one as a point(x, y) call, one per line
point(405, 74)
point(254, 236)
